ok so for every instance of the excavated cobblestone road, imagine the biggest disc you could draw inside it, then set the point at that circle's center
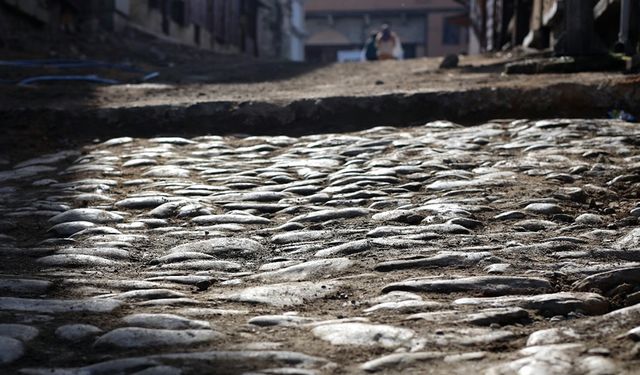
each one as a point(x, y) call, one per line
point(511, 247)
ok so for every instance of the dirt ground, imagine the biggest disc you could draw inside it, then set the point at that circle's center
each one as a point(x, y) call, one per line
point(217, 79)
point(199, 93)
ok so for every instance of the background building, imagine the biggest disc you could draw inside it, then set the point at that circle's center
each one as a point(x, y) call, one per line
point(338, 29)
point(281, 29)
point(569, 27)
point(264, 28)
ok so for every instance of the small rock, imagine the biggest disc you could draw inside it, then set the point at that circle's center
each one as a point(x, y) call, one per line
point(10, 350)
point(133, 338)
point(552, 336)
point(92, 215)
point(164, 321)
point(287, 294)
point(77, 332)
point(489, 285)
point(399, 361)
point(52, 306)
point(450, 61)
point(361, 334)
point(279, 320)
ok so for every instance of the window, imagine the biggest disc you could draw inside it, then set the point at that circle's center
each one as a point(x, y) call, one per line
point(179, 12)
point(196, 35)
point(450, 33)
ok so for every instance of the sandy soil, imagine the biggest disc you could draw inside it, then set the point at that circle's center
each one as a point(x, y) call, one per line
point(283, 82)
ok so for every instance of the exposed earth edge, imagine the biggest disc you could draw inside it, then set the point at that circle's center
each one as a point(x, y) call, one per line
point(309, 116)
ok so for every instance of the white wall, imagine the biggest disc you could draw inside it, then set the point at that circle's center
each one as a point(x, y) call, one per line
point(298, 32)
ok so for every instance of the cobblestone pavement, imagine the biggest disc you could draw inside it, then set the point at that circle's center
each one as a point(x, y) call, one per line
point(504, 248)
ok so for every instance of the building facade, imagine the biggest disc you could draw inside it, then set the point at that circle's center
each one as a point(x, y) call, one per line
point(338, 29)
point(281, 29)
point(569, 27)
point(263, 28)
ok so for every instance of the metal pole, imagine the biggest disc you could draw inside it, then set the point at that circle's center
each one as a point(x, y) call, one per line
point(516, 26)
point(623, 36)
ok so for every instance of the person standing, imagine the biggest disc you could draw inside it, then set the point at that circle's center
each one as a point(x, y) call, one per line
point(387, 43)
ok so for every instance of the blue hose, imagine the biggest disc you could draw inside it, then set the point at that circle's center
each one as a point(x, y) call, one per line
point(88, 78)
point(69, 64)
point(73, 64)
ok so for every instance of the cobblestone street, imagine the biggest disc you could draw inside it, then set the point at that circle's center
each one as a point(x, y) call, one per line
point(510, 247)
